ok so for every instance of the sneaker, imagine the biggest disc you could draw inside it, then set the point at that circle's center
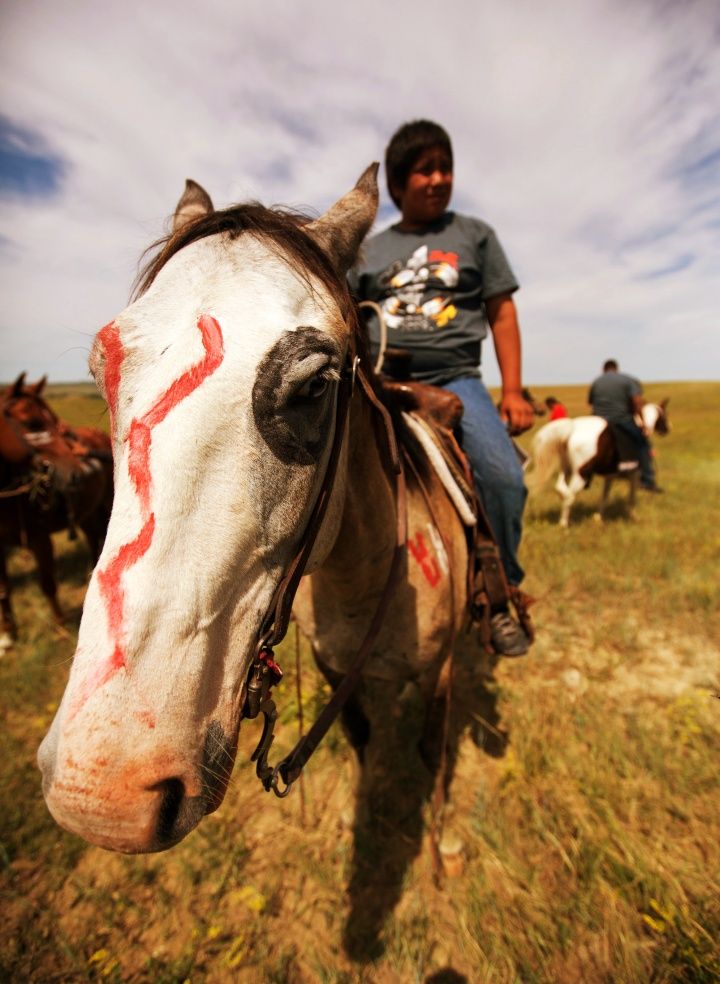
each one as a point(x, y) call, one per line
point(652, 488)
point(507, 636)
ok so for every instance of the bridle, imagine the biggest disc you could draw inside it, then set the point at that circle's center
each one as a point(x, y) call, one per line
point(264, 672)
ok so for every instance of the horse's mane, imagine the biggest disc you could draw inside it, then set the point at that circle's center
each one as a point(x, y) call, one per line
point(280, 228)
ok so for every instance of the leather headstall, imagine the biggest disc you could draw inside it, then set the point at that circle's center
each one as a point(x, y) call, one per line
point(264, 672)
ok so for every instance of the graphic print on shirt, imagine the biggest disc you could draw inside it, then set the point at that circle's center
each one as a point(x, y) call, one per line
point(407, 281)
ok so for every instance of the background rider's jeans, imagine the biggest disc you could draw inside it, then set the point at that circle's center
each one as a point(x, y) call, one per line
point(498, 474)
point(647, 469)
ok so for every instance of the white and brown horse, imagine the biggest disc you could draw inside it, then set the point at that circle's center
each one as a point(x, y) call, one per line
point(223, 379)
point(576, 448)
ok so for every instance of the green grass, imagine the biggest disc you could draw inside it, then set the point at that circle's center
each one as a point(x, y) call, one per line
point(585, 789)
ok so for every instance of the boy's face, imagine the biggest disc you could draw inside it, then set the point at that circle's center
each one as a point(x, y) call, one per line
point(427, 191)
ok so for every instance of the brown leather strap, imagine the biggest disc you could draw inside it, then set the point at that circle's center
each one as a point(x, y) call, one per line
point(291, 766)
point(276, 621)
point(490, 574)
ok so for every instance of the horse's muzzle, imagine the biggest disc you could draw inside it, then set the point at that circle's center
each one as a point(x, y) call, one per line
point(141, 805)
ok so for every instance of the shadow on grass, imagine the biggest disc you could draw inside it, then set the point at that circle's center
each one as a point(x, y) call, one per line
point(71, 568)
point(446, 975)
point(584, 511)
point(396, 784)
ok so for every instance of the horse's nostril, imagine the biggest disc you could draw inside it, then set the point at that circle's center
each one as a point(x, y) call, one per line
point(173, 794)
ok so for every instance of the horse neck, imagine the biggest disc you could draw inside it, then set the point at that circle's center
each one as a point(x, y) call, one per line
point(360, 555)
point(650, 416)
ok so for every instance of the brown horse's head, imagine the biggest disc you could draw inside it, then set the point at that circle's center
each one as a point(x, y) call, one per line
point(53, 446)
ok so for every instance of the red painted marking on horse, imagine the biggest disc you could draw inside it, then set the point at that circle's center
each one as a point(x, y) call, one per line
point(428, 564)
point(114, 350)
point(139, 440)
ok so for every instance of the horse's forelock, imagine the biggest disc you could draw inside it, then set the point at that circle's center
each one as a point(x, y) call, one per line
point(281, 229)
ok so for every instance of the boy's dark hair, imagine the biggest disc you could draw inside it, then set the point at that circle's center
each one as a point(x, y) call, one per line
point(550, 402)
point(610, 365)
point(406, 145)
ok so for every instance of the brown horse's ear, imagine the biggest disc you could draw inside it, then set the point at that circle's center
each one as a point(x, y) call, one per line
point(39, 386)
point(664, 403)
point(343, 227)
point(17, 387)
point(194, 203)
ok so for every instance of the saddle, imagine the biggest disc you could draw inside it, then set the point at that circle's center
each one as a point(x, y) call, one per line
point(616, 453)
point(441, 412)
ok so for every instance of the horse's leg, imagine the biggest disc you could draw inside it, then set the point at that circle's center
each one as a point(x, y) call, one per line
point(561, 487)
point(94, 528)
point(568, 490)
point(632, 495)
point(573, 487)
point(434, 735)
point(9, 628)
point(42, 548)
point(396, 781)
point(355, 724)
point(389, 827)
point(599, 516)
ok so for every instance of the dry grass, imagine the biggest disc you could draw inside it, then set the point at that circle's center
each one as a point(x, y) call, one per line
point(585, 791)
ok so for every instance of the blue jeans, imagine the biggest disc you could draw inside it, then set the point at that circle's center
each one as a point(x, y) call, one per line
point(647, 468)
point(496, 469)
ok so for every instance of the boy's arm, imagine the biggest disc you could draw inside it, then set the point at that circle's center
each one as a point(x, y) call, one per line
point(502, 317)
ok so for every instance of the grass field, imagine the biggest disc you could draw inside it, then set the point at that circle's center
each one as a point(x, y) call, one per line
point(585, 795)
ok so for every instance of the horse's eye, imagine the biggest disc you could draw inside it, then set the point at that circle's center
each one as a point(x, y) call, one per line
point(313, 388)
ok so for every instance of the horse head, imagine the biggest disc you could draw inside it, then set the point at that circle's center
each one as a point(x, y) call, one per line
point(26, 410)
point(655, 417)
point(222, 379)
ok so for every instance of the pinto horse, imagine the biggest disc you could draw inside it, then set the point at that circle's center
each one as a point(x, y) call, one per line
point(235, 393)
point(53, 478)
point(576, 448)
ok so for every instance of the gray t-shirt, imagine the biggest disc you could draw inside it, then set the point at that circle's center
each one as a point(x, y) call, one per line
point(611, 396)
point(432, 286)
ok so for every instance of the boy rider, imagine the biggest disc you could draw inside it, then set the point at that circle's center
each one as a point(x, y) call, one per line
point(442, 279)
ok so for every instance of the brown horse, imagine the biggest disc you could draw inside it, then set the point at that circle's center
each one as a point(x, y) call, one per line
point(53, 477)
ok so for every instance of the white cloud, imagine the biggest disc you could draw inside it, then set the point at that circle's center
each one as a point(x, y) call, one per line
point(575, 127)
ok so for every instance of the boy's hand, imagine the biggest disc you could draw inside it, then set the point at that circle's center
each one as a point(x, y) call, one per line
point(517, 412)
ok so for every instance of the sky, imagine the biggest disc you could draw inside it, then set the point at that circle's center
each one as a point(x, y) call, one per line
point(586, 132)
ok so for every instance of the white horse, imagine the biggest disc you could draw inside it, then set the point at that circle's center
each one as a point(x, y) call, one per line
point(225, 381)
point(569, 446)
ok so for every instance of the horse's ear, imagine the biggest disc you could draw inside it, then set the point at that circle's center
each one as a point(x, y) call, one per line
point(194, 203)
point(17, 387)
point(664, 403)
point(343, 227)
point(39, 386)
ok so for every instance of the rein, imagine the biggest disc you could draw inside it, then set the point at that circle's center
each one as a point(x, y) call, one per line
point(264, 671)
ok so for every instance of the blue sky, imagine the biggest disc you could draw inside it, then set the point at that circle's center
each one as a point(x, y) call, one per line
point(586, 132)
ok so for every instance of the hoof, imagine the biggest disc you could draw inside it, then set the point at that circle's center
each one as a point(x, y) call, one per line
point(6, 642)
point(597, 518)
point(452, 855)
